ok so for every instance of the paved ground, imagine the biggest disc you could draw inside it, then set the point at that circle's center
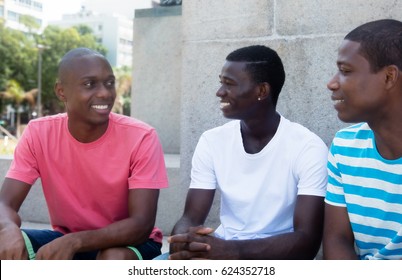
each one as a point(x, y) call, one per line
point(165, 246)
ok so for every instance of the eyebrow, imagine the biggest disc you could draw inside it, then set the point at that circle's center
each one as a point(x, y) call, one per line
point(96, 77)
point(225, 77)
point(342, 62)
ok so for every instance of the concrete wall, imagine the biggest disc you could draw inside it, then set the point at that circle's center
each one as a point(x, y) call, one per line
point(34, 207)
point(306, 34)
point(157, 72)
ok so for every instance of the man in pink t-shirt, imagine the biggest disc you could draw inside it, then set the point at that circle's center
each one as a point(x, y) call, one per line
point(101, 174)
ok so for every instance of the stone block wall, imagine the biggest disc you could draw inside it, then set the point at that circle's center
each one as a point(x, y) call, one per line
point(305, 33)
point(157, 66)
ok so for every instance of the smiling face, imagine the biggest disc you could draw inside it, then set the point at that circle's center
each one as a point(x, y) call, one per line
point(87, 87)
point(357, 92)
point(238, 92)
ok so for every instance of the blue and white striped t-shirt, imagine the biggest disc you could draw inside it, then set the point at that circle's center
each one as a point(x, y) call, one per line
point(370, 186)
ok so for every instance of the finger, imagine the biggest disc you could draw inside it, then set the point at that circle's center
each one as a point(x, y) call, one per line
point(205, 231)
point(187, 255)
point(182, 255)
point(200, 229)
point(179, 238)
point(199, 247)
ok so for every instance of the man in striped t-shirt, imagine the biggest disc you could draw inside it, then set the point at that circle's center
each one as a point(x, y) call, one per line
point(363, 215)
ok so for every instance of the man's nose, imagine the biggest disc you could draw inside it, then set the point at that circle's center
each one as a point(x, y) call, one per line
point(221, 91)
point(333, 83)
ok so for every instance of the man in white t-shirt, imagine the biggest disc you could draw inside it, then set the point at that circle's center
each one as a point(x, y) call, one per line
point(270, 171)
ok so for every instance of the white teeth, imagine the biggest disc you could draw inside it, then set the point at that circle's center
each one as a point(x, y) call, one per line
point(338, 101)
point(100, 107)
point(224, 104)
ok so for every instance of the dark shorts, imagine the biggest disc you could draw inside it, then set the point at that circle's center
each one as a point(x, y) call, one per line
point(34, 239)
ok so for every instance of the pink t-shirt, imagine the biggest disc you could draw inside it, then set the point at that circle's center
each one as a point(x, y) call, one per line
point(86, 184)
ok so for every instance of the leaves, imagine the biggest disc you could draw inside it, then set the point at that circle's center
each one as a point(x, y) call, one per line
point(19, 57)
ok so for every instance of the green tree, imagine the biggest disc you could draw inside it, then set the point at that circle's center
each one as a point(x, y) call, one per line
point(30, 22)
point(83, 29)
point(19, 57)
point(18, 97)
point(123, 90)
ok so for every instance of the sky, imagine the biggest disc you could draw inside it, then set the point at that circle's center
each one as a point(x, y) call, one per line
point(54, 9)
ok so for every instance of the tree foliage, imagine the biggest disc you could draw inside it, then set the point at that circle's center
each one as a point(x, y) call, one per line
point(19, 57)
point(122, 104)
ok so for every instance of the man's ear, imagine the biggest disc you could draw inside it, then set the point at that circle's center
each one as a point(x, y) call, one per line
point(59, 91)
point(264, 91)
point(392, 75)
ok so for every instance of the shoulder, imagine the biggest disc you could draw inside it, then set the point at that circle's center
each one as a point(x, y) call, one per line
point(299, 134)
point(122, 122)
point(47, 122)
point(49, 119)
point(358, 135)
point(360, 130)
point(227, 128)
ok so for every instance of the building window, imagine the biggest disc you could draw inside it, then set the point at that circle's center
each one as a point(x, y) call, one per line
point(25, 2)
point(126, 42)
point(12, 16)
point(37, 6)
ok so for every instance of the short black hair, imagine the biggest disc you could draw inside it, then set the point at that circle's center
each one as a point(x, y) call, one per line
point(380, 42)
point(264, 65)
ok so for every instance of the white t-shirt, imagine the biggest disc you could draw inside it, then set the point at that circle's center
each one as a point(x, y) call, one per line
point(258, 191)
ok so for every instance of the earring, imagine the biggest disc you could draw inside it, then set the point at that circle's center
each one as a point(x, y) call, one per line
point(259, 98)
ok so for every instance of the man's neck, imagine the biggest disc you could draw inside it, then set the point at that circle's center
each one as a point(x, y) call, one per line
point(85, 133)
point(256, 134)
point(388, 135)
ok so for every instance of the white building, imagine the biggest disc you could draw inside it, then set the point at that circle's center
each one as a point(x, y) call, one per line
point(113, 31)
point(12, 10)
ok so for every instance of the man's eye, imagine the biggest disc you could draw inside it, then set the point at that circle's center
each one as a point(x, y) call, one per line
point(89, 84)
point(344, 71)
point(226, 83)
point(110, 83)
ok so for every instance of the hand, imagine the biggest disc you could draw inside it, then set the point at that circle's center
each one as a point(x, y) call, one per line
point(191, 245)
point(59, 249)
point(12, 244)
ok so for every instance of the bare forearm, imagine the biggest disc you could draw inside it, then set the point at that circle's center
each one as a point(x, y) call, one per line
point(121, 233)
point(283, 246)
point(8, 216)
point(183, 225)
point(338, 250)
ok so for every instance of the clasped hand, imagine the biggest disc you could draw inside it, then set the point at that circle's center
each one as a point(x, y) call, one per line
point(195, 244)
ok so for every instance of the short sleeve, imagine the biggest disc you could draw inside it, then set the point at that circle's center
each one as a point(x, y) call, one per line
point(311, 168)
point(147, 166)
point(335, 193)
point(24, 166)
point(202, 169)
